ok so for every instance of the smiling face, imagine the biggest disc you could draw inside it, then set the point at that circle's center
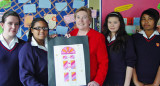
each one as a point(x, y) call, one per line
point(10, 26)
point(113, 24)
point(147, 22)
point(39, 34)
point(82, 20)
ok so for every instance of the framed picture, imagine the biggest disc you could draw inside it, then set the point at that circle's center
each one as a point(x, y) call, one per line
point(68, 61)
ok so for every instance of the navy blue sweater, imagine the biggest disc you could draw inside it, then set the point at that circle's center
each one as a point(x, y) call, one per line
point(9, 68)
point(148, 57)
point(118, 62)
point(33, 66)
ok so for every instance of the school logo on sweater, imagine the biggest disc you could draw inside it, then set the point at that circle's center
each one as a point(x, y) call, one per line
point(157, 44)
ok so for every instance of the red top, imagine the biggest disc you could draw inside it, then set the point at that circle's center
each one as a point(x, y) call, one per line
point(98, 55)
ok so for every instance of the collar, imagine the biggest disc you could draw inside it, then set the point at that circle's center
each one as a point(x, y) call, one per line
point(110, 40)
point(144, 34)
point(11, 44)
point(34, 43)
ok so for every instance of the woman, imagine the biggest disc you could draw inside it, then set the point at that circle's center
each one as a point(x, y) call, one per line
point(147, 69)
point(97, 47)
point(9, 49)
point(120, 51)
point(33, 55)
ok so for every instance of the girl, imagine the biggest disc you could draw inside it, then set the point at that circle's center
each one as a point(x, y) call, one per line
point(33, 55)
point(9, 48)
point(97, 47)
point(120, 49)
point(147, 69)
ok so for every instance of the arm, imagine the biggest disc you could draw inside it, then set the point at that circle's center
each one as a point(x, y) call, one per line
point(130, 58)
point(128, 77)
point(102, 59)
point(26, 67)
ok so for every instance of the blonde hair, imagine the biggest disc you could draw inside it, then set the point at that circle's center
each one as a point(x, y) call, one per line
point(87, 10)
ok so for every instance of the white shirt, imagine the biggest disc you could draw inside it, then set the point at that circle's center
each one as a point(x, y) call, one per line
point(11, 44)
point(110, 40)
point(144, 34)
point(34, 43)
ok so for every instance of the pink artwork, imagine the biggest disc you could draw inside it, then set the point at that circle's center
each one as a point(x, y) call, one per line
point(72, 56)
point(73, 76)
point(65, 65)
point(69, 63)
point(73, 65)
point(68, 50)
point(66, 77)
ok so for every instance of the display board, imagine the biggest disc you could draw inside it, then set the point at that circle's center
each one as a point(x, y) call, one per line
point(38, 8)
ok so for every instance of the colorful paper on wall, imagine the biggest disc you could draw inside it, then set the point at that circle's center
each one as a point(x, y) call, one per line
point(51, 19)
point(44, 4)
point(129, 20)
point(52, 24)
point(29, 8)
point(61, 30)
point(48, 17)
point(78, 4)
point(51, 32)
point(61, 6)
point(69, 18)
point(5, 3)
point(23, 1)
point(94, 13)
point(130, 29)
point(125, 21)
point(136, 21)
point(27, 20)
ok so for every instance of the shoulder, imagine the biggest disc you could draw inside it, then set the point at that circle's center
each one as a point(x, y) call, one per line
point(26, 47)
point(74, 32)
point(136, 35)
point(96, 34)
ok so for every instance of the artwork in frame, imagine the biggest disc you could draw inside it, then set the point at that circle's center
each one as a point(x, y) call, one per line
point(68, 61)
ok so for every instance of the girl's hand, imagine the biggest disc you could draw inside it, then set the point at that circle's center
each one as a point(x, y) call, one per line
point(93, 83)
point(67, 35)
point(53, 36)
point(139, 84)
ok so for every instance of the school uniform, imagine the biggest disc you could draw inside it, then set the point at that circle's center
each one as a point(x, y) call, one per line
point(9, 68)
point(118, 62)
point(148, 56)
point(33, 64)
point(98, 55)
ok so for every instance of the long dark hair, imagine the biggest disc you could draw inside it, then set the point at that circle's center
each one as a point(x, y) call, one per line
point(32, 25)
point(121, 35)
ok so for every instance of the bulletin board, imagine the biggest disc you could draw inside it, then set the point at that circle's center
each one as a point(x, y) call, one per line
point(128, 8)
point(14, 5)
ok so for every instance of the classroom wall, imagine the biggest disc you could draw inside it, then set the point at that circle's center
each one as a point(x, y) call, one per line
point(135, 11)
point(94, 4)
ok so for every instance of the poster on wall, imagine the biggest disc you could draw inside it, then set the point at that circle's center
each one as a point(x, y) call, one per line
point(68, 61)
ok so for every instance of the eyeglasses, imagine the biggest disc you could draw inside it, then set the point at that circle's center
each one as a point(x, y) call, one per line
point(43, 28)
